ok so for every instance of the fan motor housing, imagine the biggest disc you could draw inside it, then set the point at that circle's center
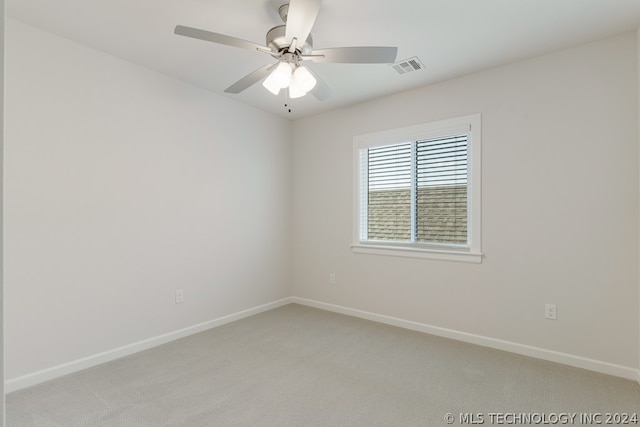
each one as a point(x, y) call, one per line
point(277, 42)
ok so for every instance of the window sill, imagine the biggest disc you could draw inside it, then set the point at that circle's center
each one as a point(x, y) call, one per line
point(413, 252)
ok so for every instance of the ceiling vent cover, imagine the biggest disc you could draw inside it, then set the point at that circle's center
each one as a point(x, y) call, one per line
point(408, 65)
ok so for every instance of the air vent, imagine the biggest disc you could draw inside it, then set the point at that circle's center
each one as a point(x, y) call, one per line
point(408, 65)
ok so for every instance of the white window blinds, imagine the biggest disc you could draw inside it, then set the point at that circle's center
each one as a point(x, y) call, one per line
point(442, 190)
point(416, 192)
point(389, 192)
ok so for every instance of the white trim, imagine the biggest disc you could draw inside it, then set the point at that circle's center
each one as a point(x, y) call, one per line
point(526, 350)
point(471, 125)
point(38, 377)
point(116, 353)
point(412, 252)
point(429, 130)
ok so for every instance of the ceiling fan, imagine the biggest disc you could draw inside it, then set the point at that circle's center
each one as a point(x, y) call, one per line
point(291, 44)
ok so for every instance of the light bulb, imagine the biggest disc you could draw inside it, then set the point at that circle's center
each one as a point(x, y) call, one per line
point(279, 78)
point(303, 78)
point(295, 90)
point(282, 74)
point(271, 86)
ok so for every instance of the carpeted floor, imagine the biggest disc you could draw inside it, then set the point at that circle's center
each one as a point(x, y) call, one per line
point(299, 366)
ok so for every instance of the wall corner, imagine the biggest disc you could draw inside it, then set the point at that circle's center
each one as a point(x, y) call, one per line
point(638, 169)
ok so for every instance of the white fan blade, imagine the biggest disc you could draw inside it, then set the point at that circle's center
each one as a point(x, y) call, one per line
point(251, 79)
point(321, 90)
point(355, 55)
point(218, 38)
point(301, 17)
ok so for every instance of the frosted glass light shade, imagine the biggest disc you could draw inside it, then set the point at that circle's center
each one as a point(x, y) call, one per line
point(271, 86)
point(303, 79)
point(299, 81)
point(281, 76)
point(295, 90)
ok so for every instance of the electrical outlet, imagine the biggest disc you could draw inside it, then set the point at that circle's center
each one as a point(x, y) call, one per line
point(550, 311)
point(179, 296)
point(332, 278)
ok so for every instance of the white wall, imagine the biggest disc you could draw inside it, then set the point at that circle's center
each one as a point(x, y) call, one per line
point(2, 132)
point(638, 59)
point(560, 207)
point(123, 185)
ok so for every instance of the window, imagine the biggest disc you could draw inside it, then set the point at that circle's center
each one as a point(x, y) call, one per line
point(417, 191)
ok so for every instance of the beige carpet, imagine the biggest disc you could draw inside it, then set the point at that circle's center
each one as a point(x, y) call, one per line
point(299, 366)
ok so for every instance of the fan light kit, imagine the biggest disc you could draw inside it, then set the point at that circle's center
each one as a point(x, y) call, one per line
point(291, 44)
point(296, 78)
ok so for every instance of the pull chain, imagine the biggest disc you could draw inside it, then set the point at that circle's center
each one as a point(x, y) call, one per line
point(287, 100)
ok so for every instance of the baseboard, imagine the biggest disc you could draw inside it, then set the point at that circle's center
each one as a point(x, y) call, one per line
point(34, 378)
point(526, 350)
point(38, 377)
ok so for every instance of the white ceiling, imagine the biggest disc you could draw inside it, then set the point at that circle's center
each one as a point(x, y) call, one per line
point(450, 37)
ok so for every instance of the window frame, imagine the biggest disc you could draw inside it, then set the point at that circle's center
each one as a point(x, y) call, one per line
point(471, 252)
